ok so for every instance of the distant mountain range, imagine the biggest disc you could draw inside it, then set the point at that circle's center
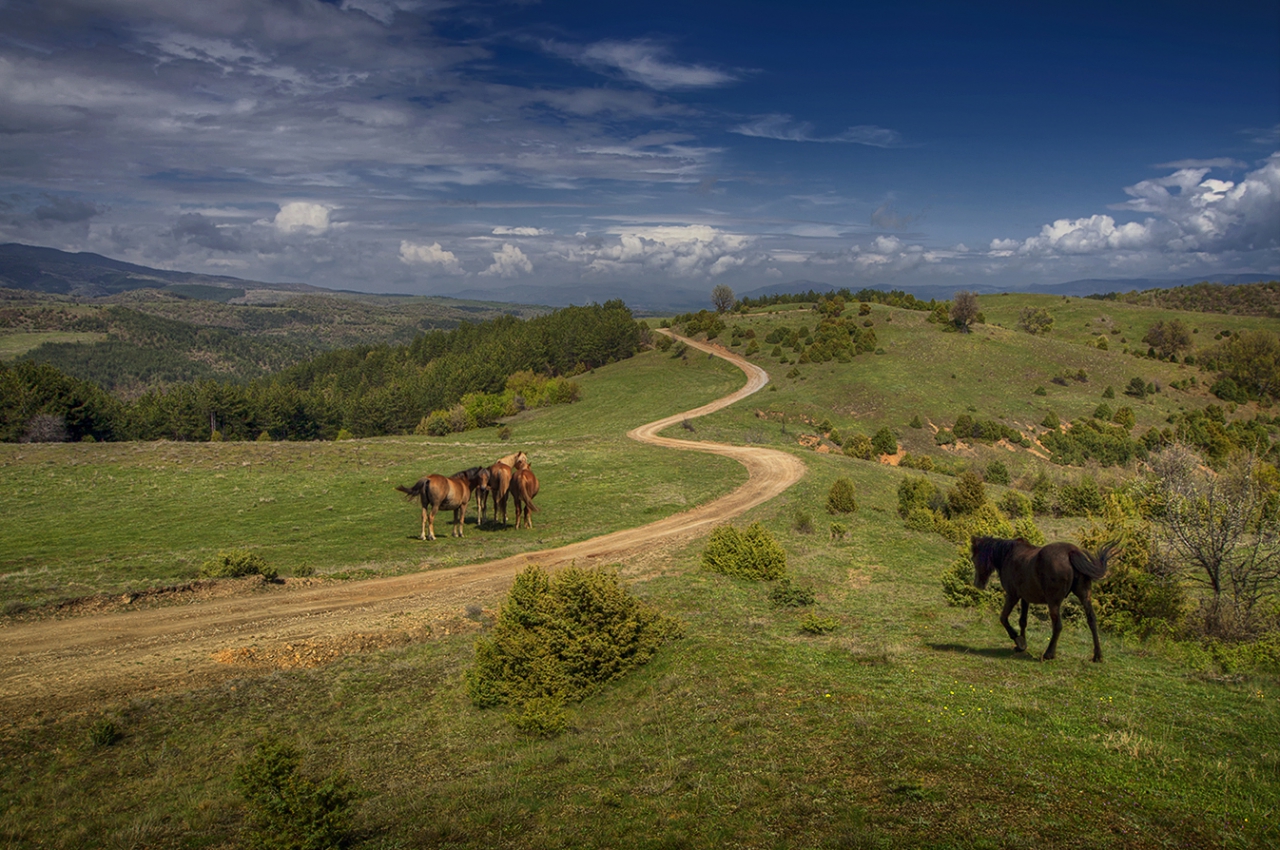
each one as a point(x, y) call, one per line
point(1078, 288)
point(87, 275)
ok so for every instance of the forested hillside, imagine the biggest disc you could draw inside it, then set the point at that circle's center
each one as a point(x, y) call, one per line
point(365, 390)
point(1249, 299)
point(146, 339)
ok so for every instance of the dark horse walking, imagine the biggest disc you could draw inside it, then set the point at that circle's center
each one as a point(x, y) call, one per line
point(1043, 575)
point(451, 494)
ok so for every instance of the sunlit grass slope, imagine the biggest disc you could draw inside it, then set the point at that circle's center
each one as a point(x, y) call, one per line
point(911, 725)
point(82, 518)
point(992, 373)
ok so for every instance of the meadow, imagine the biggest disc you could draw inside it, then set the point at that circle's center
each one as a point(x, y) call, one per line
point(911, 724)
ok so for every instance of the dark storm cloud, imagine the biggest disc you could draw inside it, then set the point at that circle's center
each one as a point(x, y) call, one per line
point(63, 210)
point(198, 229)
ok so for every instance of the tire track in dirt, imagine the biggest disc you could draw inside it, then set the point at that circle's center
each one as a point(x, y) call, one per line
point(80, 662)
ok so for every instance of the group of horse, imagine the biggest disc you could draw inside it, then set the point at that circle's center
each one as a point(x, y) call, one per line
point(1029, 574)
point(510, 478)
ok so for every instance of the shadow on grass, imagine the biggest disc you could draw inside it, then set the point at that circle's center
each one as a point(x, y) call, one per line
point(986, 651)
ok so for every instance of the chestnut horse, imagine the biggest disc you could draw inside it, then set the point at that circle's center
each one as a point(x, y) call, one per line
point(1043, 575)
point(499, 485)
point(436, 492)
point(524, 484)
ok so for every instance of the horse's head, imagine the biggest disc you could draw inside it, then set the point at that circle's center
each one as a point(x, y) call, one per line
point(982, 550)
point(520, 461)
point(476, 477)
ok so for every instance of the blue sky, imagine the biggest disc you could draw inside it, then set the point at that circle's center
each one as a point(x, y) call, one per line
point(592, 150)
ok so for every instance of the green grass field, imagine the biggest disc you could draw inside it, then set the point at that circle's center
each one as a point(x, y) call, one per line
point(992, 373)
point(911, 725)
point(85, 518)
point(15, 343)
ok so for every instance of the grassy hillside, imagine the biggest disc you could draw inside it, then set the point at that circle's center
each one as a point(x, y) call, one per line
point(992, 373)
point(911, 724)
point(150, 513)
point(146, 338)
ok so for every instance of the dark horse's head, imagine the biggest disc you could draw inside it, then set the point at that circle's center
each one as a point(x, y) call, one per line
point(987, 553)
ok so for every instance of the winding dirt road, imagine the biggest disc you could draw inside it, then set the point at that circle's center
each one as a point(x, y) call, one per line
point(79, 663)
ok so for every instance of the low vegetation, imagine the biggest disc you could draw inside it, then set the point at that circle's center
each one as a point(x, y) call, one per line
point(844, 703)
point(558, 639)
point(366, 391)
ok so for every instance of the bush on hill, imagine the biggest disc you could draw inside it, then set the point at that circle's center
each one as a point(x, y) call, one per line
point(559, 638)
point(752, 554)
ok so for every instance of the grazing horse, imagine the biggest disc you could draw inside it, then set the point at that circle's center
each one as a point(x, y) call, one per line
point(436, 492)
point(499, 487)
point(1043, 575)
point(524, 485)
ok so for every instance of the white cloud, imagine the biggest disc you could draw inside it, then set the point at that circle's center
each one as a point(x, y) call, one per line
point(522, 231)
point(430, 255)
point(1189, 212)
point(785, 128)
point(682, 250)
point(300, 215)
point(643, 62)
point(508, 262)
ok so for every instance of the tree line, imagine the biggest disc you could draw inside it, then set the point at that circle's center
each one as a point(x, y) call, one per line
point(367, 390)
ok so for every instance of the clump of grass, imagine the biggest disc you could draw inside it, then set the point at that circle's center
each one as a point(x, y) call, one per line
point(752, 554)
point(289, 809)
point(787, 595)
point(237, 563)
point(802, 523)
point(814, 624)
point(105, 732)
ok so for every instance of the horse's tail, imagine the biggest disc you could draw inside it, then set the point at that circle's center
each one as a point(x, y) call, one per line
point(415, 491)
point(1095, 567)
point(518, 482)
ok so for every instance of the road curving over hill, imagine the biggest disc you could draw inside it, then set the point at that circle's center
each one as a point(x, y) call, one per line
point(81, 662)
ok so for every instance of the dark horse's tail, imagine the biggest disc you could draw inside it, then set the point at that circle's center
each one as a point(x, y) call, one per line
point(1096, 567)
point(415, 491)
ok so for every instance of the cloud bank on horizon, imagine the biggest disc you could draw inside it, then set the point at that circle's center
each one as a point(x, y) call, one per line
point(421, 146)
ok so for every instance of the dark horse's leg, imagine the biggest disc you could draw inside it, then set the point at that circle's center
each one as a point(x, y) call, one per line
point(1022, 625)
point(1086, 599)
point(1009, 600)
point(1055, 614)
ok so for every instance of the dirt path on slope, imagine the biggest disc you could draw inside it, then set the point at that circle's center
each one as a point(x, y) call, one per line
point(79, 663)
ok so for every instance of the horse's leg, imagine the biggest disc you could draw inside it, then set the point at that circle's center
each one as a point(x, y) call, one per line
point(1086, 599)
point(1022, 625)
point(1009, 600)
point(1055, 615)
point(423, 536)
point(431, 522)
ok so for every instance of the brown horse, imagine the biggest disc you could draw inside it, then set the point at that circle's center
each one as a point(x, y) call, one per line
point(436, 492)
point(499, 486)
point(1043, 575)
point(512, 459)
point(524, 485)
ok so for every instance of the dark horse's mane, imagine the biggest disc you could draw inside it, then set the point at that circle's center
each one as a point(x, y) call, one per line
point(987, 553)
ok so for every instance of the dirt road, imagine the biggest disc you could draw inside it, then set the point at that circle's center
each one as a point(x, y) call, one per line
point(78, 663)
